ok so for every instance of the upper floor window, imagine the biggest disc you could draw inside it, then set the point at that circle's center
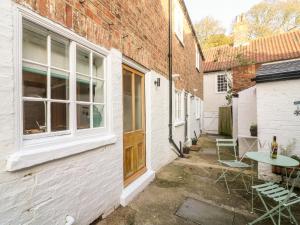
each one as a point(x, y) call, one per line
point(178, 106)
point(197, 57)
point(63, 85)
point(179, 22)
point(222, 83)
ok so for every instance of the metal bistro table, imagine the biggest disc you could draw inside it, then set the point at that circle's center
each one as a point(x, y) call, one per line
point(264, 157)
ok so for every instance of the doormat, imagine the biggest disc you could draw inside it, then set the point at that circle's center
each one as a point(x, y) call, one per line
point(203, 213)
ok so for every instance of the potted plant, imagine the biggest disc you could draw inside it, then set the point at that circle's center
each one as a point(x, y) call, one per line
point(194, 141)
point(253, 130)
point(186, 150)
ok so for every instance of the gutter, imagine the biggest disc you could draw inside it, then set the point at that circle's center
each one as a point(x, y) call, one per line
point(170, 61)
point(277, 77)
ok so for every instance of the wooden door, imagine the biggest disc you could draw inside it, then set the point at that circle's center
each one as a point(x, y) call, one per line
point(133, 124)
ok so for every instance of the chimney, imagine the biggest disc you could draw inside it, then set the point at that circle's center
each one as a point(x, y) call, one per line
point(240, 31)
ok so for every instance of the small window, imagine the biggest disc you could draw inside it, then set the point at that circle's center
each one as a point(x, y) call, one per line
point(221, 83)
point(179, 22)
point(197, 57)
point(178, 106)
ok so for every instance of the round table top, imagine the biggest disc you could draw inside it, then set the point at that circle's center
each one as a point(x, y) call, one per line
point(281, 160)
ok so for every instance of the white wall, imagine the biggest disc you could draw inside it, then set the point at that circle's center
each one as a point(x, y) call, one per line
point(275, 116)
point(84, 185)
point(212, 101)
point(246, 114)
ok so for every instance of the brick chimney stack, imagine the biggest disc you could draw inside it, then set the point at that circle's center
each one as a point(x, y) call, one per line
point(240, 31)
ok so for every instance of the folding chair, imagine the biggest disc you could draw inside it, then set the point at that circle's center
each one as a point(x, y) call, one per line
point(235, 163)
point(282, 196)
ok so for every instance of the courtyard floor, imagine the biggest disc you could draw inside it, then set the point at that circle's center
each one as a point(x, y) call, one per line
point(184, 193)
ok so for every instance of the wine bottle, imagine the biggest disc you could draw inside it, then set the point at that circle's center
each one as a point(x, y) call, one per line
point(274, 148)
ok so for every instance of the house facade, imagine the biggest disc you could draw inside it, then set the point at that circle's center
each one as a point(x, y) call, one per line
point(239, 65)
point(85, 103)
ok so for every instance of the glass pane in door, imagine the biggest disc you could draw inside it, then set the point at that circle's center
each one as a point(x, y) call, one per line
point(138, 102)
point(127, 101)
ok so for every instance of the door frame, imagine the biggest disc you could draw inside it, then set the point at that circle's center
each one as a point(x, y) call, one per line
point(142, 171)
point(149, 76)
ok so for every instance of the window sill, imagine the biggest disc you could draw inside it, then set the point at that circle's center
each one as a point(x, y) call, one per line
point(179, 123)
point(35, 156)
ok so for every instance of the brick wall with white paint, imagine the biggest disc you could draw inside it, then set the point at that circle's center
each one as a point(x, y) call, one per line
point(84, 186)
point(275, 116)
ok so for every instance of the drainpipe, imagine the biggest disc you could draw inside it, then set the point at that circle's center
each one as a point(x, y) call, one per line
point(171, 140)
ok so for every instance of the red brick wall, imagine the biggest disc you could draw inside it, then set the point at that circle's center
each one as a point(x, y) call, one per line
point(242, 76)
point(138, 28)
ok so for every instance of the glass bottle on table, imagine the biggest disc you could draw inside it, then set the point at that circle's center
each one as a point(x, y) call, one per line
point(274, 148)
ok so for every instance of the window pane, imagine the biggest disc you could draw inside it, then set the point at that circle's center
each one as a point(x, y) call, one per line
point(60, 54)
point(98, 66)
point(34, 46)
point(83, 116)
point(34, 117)
point(98, 116)
point(59, 85)
point(98, 91)
point(127, 101)
point(59, 116)
point(82, 61)
point(83, 88)
point(34, 81)
point(138, 102)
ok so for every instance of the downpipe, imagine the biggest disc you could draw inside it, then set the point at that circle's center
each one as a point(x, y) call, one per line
point(177, 150)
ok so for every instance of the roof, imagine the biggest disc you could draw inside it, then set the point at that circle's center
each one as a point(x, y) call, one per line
point(262, 50)
point(278, 71)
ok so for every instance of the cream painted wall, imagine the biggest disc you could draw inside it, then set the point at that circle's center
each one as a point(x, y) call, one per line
point(275, 116)
point(212, 101)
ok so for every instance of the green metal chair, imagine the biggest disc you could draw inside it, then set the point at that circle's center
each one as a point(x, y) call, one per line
point(283, 197)
point(227, 164)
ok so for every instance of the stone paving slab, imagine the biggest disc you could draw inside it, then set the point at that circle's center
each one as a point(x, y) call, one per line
point(203, 213)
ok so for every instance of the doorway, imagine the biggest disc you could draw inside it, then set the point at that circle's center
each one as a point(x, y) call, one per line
point(134, 151)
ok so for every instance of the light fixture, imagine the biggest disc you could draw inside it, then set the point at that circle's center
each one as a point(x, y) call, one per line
point(297, 111)
point(157, 82)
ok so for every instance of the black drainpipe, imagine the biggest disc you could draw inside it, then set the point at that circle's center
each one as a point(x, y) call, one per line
point(178, 150)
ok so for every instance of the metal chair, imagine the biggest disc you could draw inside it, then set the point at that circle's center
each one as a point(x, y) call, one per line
point(235, 163)
point(282, 196)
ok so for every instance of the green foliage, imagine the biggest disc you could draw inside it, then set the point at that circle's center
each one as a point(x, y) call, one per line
point(272, 16)
point(217, 40)
point(211, 34)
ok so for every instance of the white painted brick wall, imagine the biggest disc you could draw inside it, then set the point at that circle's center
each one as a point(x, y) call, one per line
point(275, 115)
point(84, 185)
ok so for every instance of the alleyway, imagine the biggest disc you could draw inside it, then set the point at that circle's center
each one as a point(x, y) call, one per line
point(188, 180)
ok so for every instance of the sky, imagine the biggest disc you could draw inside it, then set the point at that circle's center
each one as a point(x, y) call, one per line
point(223, 10)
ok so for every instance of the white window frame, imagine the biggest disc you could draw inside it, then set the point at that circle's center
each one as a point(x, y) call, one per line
point(198, 108)
point(33, 151)
point(179, 106)
point(197, 58)
point(217, 80)
point(178, 25)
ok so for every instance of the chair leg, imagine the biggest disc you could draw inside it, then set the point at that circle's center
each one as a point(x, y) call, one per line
point(279, 215)
point(292, 218)
point(223, 175)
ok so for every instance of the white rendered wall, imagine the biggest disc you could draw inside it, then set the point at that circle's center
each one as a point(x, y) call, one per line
point(212, 101)
point(275, 116)
point(247, 116)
